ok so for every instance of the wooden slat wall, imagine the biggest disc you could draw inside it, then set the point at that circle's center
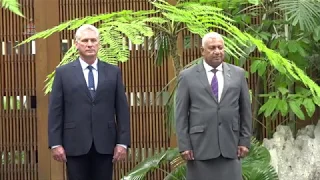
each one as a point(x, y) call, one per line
point(18, 135)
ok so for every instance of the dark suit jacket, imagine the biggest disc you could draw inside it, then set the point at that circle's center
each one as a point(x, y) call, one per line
point(206, 126)
point(76, 120)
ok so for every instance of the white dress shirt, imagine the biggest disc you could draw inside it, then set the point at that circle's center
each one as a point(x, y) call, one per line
point(85, 70)
point(219, 75)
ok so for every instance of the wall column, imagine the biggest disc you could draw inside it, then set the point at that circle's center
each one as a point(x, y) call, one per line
point(47, 58)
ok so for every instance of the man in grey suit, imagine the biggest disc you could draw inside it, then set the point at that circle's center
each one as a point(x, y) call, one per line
point(213, 115)
point(89, 125)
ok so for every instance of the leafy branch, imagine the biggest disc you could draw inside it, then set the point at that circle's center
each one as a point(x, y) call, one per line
point(12, 5)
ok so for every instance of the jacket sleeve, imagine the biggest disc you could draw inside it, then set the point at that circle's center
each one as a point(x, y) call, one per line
point(55, 115)
point(245, 114)
point(122, 113)
point(182, 114)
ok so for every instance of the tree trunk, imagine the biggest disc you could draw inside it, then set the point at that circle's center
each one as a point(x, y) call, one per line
point(176, 59)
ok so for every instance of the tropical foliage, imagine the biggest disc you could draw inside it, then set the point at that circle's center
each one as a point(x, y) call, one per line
point(197, 18)
point(256, 166)
point(115, 30)
point(11, 5)
point(291, 28)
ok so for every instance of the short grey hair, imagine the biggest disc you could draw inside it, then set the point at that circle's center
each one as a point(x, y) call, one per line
point(86, 27)
point(211, 35)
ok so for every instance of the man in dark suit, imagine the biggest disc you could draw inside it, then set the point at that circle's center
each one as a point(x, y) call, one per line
point(89, 125)
point(213, 115)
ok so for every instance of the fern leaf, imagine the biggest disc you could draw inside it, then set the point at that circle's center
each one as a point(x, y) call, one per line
point(12, 5)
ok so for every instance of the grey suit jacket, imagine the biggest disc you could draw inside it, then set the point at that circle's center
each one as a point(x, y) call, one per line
point(76, 120)
point(206, 126)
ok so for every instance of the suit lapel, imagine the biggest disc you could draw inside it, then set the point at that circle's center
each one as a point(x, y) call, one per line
point(78, 71)
point(227, 79)
point(101, 76)
point(202, 76)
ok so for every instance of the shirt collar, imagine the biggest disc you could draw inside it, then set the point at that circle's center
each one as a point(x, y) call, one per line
point(85, 65)
point(208, 68)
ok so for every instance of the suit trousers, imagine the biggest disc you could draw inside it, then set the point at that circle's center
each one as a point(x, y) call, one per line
point(91, 166)
point(214, 169)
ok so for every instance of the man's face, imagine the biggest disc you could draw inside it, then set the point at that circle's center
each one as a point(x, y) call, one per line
point(213, 51)
point(88, 44)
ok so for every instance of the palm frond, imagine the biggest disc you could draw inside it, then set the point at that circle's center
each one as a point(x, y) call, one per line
point(285, 66)
point(199, 19)
point(198, 24)
point(304, 13)
point(178, 173)
point(150, 164)
point(228, 3)
point(258, 155)
point(115, 29)
point(161, 47)
point(68, 57)
point(12, 5)
point(256, 166)
point(258, 173)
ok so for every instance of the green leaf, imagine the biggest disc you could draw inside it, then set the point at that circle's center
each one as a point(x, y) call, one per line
point(293, 46)
point(256, 166)
point(12, 5)
point(272, 104)
point(316, 100)
point(283, 47)
point(263, 108)
point(316, 33)
point(255, 2)
point(295, 107)
point(264, 35)
point(283, 90)
point(269, 94)
point(274, 43)
point(303, 91)
point(152, 163)
point(310, 106)
point(254, 66)
point(262, 68)
point(283, 107)
point(304, 13)
point(282, 80)
point(302, 51)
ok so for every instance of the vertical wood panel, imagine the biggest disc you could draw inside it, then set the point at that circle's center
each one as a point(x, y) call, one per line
point(47, 58)
point(16, 139)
